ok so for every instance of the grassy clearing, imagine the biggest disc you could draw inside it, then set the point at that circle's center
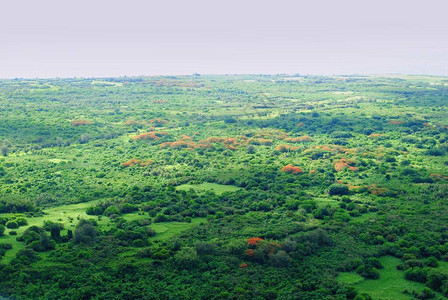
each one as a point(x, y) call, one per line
point(165, 231)
point(57, 160)
point(321, 202)
point(207, 186)
point(66, 214)
point(69, 216)
point(349, 278)
point(364, 217)
point(390, 285)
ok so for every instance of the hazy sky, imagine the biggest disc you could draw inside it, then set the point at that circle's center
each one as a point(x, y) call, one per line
point(62, 38)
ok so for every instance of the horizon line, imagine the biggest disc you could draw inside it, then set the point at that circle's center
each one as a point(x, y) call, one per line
point(227, 74)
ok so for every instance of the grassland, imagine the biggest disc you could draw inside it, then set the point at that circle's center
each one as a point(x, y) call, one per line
point(207, 186)
point(70, 214)
point(389, 286)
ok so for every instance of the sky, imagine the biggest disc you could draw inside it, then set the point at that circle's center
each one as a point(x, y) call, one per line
point(97, 38)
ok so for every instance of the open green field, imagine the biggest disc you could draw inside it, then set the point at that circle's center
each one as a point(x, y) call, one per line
point(207, 186)
point(69, 215)
point(390, 284)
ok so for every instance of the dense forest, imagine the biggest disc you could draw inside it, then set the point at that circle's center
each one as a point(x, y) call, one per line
point(224, 187)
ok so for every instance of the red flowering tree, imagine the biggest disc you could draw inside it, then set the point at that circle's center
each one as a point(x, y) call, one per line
point(253, 241)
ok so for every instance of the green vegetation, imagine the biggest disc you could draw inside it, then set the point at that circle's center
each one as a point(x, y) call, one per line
point(224, 187)
point(391, 283)
point(206, 186)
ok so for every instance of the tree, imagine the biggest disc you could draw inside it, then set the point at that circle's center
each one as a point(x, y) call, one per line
point(204, 248)
point(128, 207)
point(43, 244)
point(186, 258)
point(112, 210)
point(375, 262)
point(2, 230)
point(367, 271)
point(236, 247)
point(4, 150)
point(230, 121)
point(54, 229)
point(27, 256)
point(289, 245)
point(280, 259)
point(161, 218)
point(85, 233)
point(338, 189)
point(436, 279)
point(363, 296)
point(12, 224)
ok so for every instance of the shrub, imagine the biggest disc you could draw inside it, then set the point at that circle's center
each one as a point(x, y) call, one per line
point(12, 224)
point(6, 246)
point(368, 272)
point(85, 233)
point(416, 274)
point(280, 259)
point(375, 262)
point(95, 211)
point(186, 258)
point(338, 189)
point(128, 207)
point(161, 218)
point(203, 248)
point(111, 210)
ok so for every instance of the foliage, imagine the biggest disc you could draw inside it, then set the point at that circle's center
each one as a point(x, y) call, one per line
point(137, 187)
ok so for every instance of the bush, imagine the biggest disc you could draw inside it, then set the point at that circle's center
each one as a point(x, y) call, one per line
point(144, 253)
point(338, 189)
point(94, 210)
point(434, 152)
point(375, 262)
point(128, 208)
point(416, 274)
point(22, 221)
point(161, 218)
point(27, 256)
point(85, 233)
point(363, 296)
point(112, 210)
point(368, 272)
point(186, 258)
point(230, 121)
point(425, 294)
point(138, 243)
point(43, 244)
point(6, 246)
point(12, 224)
point(204, 248)
point(280, 259)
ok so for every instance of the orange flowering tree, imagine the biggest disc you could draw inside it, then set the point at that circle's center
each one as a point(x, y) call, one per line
point(152, 135)
point(292, 169)
point(81, 122)
point(136, 162)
